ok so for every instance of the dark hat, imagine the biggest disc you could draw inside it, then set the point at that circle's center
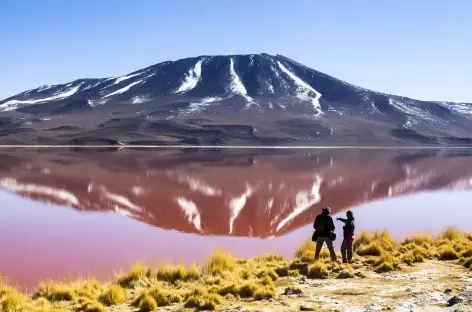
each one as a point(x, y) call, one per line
point(327, 209)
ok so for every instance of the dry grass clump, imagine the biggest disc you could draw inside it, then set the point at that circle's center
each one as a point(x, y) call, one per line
point(248, 289)
point(267, 272)
point(386, 263)
point(199, 298)
point(270, 258)
point(318, 270)
point(422, 240)
point(467, 252)
point(115, 294)
point(147, 304)
point(447, 253)
point(415, 255)
point(11, 300)
point(451, 234)
point(253, 288)
point(324, 254)
point(371, 242)
point(372, 249)
point(468, 263)
point(161, 296)
point(55, 292)
point(264, 293)
point(346, 272)
point(89, 288)
point(218, 263)
point(173, 274)
point(137, 275)
point(306, 252)
point(92, 306)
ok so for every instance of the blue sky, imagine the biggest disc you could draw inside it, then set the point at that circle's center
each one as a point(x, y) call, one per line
point(416, 48)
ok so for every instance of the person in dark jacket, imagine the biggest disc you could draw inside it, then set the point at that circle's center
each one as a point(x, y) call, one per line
point(348, 236)
point(324, 227)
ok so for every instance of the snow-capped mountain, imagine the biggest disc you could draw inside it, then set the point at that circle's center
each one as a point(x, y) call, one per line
point(237, 99)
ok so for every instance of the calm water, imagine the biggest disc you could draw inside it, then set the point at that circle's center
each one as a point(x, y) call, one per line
point(68, 213)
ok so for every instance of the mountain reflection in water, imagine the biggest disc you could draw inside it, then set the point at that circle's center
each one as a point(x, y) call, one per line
point(221, 193)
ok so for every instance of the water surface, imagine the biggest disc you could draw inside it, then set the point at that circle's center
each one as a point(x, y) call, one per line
point(68, 213)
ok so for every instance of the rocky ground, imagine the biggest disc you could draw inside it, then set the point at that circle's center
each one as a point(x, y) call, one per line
point(429, 286)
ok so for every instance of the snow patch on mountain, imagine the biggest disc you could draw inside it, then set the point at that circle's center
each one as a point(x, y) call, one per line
point(191, 78)
point(123, 78)
point(236, 86)
point(197, 107)
point(95, 103)
point(304, 89)
point(408, 109)
point(461, 108)
point(43, 88)
point(124, 89)
point(140, 99)
point(14, 104)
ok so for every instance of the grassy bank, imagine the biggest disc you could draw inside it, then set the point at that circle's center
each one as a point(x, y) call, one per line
point(222, 279)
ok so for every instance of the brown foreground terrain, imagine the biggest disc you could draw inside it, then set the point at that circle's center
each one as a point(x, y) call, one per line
point(420, 273)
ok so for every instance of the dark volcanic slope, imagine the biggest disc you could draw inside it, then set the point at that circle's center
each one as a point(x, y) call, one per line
point(256, 99)
point(241, 193)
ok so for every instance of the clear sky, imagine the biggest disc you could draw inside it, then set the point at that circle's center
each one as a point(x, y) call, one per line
point(420, 48)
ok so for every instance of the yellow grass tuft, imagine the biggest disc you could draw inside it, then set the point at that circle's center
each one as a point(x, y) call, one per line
point(346, 272)
point(380, 239)
point(115, 294)
point(200, 299)
point(415, 255)
point(423, 240)
point(163, 296)
point(386, 263)
point(306, 252)
point(11, 301)
point(218, 263)
point(267, 273)
point(468, 263)
point(450, 234)
point(264, 293)
point(270, 258)
point(318, 270)
point(248, 289)
point(137, 274)
point(324, 254)
point(467, 252)
point(92, 306)
point(147, 304)
point(55, 292)
point(448, 253)
point(89, 288)
point(178, 273)
point(372, 249)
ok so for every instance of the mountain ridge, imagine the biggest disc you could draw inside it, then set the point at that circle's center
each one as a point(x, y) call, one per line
point(283, 101)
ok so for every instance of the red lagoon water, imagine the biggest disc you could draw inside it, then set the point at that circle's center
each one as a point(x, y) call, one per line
point(66, 214)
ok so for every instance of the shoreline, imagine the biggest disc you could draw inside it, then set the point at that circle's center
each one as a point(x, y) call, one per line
point(240, 147)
